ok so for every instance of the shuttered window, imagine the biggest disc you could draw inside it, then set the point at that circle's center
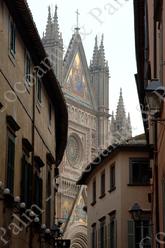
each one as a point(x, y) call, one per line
point(112, 232)
point(139, 233)
point(102, 184)
point(94, 191)
point(26, 182)
point(10, 161)
point(112, 177)
point(102, 234)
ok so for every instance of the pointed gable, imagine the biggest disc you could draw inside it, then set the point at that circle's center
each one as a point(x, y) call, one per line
point(76, 78)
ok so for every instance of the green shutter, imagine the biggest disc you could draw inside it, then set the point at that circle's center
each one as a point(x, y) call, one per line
point(131, 234)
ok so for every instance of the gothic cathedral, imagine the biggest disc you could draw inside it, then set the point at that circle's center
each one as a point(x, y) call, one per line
point(86, 91)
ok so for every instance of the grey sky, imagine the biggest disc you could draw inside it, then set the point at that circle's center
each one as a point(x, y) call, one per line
point(113, 18)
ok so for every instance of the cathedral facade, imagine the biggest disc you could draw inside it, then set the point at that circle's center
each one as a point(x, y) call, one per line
point(86, 90)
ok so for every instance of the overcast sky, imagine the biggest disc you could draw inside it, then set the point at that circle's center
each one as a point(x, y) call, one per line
point(113, 18)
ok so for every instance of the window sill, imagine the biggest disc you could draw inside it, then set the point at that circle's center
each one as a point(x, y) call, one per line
point(93, 203)
point(27, 86)
point(138, 184)
point(38, 105)
point(112, 189)
point(12, 57)
point(102, 196)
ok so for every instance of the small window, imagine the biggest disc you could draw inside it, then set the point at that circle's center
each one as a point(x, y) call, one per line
point(112, 231)
point(27, 68)
point(26, 181)
point(38, 190)
point(112, 177)
point(10, 161)
point(140, 171)
point(94, 192)
point(38, 88)
point(102, 234)
point(38, 182)
point(12, 37)
point(102, 184)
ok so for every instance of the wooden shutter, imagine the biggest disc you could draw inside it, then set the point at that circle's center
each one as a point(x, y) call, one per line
point(10, 164)
point(26, 182)
point(131, 234)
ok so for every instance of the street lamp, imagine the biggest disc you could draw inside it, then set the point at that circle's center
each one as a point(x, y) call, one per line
point(155, 93)
point(53, 236)
point(136, 211)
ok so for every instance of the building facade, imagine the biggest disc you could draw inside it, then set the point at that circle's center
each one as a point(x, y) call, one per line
point(32, 138)
point(86, 90)
point(150, 78)
point(117, 180)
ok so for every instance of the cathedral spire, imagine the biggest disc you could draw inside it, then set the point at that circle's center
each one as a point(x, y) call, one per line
point(120, 112)
point(121, 129)
point(94, 61)
point(102, 52)
point(56, 34)
point(49, 24)
point(53, 44)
